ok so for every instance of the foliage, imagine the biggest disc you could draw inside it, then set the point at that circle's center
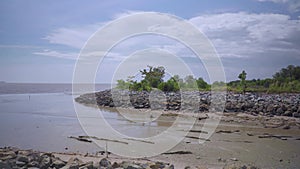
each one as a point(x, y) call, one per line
point(202, 85)
point(286, 80)
point(242, 76)
point(170, 85)
point(153, 75)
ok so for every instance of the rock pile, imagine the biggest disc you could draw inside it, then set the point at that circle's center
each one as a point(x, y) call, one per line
point(254, 103)
point(12, 158)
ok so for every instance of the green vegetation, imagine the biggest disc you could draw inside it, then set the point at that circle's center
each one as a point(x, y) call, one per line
point(286, 80)
point(242, 76)
point(152, 77)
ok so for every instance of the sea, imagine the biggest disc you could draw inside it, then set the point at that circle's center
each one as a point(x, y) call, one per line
point(43, 117)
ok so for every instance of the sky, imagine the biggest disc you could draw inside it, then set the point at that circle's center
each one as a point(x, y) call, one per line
point(40, 41)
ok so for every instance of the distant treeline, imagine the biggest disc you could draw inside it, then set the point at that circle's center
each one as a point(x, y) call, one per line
point(286, 80)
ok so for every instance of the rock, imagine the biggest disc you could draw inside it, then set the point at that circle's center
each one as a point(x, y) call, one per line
point(286, 127)
point(22, 158)
point(45, 161)
point(270, 108)
point(234, 159)
point(160, 164)
point(279, 111)
point(295, 114)
point(104, 163)
point(20, 163)
point(287, 113)
point(73, 163)
point(88, 165)
point(7, 155)
point(129, 165)
point(268, 104)
point(4, 165)
point(33, 164)
point(221, 160)
point(57, 163)
point(115, 165)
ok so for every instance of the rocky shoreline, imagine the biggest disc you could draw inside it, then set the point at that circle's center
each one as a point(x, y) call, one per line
point(263, 104)
point(14, 158)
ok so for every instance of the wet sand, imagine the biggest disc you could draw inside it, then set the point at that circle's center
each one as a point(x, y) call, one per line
point(46, 121)
point(238, 139)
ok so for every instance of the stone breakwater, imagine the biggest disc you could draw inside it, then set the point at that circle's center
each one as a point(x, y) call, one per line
point(253, 103)
point(13, 158)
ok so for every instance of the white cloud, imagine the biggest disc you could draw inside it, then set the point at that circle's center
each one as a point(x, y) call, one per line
point(245, 35)
point(238, 37)
point(52, 53)
point(73, 36)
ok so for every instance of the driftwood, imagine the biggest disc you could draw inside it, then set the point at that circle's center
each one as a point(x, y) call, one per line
point(102, 139)
point(178, 152)
point(266, 135)
point(238, 141)
point(144, 141)
point(194, 131)
point(198, 131)
point(193, 137)
point(228, 131)
point(81, 139)
point(87, 139)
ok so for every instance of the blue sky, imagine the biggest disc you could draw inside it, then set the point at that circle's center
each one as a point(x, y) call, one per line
point(40, 40)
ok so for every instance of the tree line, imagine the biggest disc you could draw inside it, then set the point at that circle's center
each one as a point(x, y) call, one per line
point(286, 80)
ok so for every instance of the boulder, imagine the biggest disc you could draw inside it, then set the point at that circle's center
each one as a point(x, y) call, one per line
point(4, 164)
point(104, 162)
point(295, 114)
point(287, 113)
point(57, 163)
point(22, 158)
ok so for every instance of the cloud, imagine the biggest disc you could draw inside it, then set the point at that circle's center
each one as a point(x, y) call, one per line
point(74, 37)
point(56, 54)
point(246, 35)
point(243, 41)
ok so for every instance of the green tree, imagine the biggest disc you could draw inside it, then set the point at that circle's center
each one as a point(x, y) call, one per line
point(242, 76)
point(202, 84)
point(170, 86)
point(153, 75)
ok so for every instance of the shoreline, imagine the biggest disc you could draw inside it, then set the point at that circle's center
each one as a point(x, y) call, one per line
point(247, 119)
point(12, 157)
point(268, 105)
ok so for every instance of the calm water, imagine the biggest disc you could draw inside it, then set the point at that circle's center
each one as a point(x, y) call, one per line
point(39, 116)
point(42, 117)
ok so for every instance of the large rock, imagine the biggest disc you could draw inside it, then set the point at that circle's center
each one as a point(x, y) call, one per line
point(57, 163)
point(4, 165)
point(104, 163)
point(269, 104)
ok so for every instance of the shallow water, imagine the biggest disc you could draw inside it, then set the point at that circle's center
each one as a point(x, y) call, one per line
point(44, 121)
